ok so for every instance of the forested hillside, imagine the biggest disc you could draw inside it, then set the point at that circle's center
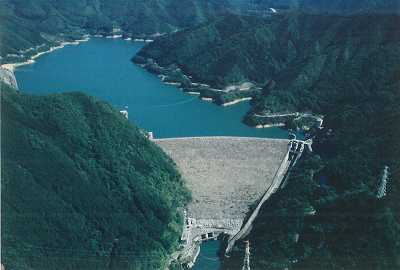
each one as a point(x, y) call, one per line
point(29, 23)
point(323, 6)
point(28, 26)
point(82, 188)
point(234, 48)
point(304, 60)
point(353, 227)
point(345, 68)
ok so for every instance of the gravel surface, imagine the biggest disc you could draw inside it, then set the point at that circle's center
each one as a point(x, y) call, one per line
point(225, 174)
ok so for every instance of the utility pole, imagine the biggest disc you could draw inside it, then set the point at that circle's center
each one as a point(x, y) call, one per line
point(246, 261)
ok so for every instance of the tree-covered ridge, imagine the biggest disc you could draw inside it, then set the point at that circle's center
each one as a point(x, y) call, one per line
point(302, 61)
point(354, 227)
point(313, 225)
point(82, 188)
point(345, 68)
point(323, 6)
point(30, 23)
point(234, 49)
point(352, 76)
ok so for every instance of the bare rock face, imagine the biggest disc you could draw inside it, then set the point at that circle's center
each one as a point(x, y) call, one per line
point(8, 77)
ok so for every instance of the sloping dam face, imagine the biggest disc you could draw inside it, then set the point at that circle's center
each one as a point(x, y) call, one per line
point(225, 174)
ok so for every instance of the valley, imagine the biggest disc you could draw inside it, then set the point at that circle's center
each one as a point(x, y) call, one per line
point(114, 153)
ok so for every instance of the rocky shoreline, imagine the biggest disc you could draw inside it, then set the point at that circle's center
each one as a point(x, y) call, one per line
point(236, 101)
point(296, 121)
point(230, 95)
point(31, 59)
point(173, 75)
point(28, 55)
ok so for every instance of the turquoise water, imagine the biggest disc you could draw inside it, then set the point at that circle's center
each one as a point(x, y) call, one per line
point(102, 68)
point(208, 258)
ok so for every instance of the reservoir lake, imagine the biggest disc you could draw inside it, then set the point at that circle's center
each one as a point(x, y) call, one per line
point(103, 68)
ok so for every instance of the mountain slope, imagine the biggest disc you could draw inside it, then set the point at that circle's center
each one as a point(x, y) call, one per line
point(29, 23)
point(345, 68)
point(323, 6)
point(329, 216)
point(82, 188)
point(295, 52)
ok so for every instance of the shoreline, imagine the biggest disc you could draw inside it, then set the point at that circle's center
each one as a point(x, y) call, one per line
point(204, 91)
point(302, 121)
point(270, 125)
point(13, 66)
point(193, 93)
point(207, 99)
point(236, 101)
point(127, 38)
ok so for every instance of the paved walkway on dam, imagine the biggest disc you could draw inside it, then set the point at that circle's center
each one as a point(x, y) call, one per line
point(226, 175)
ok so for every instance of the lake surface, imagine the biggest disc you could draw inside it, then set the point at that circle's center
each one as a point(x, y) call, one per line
point(102, 68)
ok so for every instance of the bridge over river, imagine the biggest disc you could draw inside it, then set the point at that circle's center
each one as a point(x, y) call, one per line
point(227, 175)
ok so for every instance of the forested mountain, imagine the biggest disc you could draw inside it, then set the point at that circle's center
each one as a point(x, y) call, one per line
point(296, 56)
point(29, 23)
point(331, 214)
point(28, 26)
point(323, 6)
point(345, 68)
point(82, 188)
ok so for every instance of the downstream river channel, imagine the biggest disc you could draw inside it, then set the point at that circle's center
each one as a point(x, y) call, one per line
point(103, 68)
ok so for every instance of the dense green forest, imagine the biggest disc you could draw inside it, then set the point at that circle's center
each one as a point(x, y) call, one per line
point(302, 61)
point(29, 23)
point(82, 188)
point(234, 48)
point(108, 198)
point(328, 6)
point(352, 228)
point(345, 68)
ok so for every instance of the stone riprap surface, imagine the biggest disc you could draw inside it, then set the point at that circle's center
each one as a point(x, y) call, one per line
point(225, 174)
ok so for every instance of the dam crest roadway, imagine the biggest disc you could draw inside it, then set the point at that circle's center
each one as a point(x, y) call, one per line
point(228, 175)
